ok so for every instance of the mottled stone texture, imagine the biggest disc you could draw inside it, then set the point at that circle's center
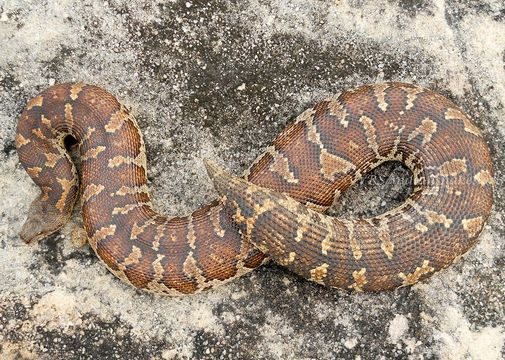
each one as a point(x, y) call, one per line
point(218, 79)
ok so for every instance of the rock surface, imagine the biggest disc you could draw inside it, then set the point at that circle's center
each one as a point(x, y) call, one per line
point(218, 80)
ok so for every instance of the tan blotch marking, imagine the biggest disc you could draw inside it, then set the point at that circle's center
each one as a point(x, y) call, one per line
point(326, 244)
point(328, 241)
point(127, 190)
point(46, 121)
point(132, 259)
point(380, 93)
point(371, 133)
point(337, 110)
point(34, 171)
point(484, 177)
point(156, 285)
point(66, 185)
point(191, 237)
point(45, 192)
point(69, 116)
point(436, 218)
point(289, 259)
point(102, 234)
point(215, 218)
point(88, 134)
point(37, 101)
point(427, 128)
point(331, 165)
point(386, 244)
point(90, 191)
point(433, 191)
point(191, 269)
point(353, 242)
point(356, 249)
point(21, 140)
point(411, 96)
point(290, 204)
point(473, 226)
point(312, 134)
point(136, 231)
point(75, 90)
point(406, 216)
point(353, 145)
point(453, 167)
point(455, 114)
point(394, 154)
point(52, 159)
point(116, 120)
point(263, 247)
point(280, 165)
point(421, 227)
point(93, 153)
point(359, 280)
point(238, 217)
point(126, 209)
point(319, 273)
point(410, 160)
point(158, 268)
point(414, 277)
point(302, 222)
point(119, 160)
point(160, 232)
point(38, 133)
point(430, 215)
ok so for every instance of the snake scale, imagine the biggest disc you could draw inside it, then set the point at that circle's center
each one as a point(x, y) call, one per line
point(276, 209)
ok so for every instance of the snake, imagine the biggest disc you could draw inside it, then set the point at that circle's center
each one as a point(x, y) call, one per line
point(277, 208)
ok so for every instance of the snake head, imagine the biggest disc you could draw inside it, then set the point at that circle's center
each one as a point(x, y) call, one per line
point(43, 220)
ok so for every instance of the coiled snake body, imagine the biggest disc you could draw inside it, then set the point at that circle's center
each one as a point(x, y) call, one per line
point(276, 208)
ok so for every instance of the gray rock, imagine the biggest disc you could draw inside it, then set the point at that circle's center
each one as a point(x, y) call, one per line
point(219, 79)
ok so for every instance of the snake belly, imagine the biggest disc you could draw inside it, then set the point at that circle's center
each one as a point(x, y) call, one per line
point(277, 205)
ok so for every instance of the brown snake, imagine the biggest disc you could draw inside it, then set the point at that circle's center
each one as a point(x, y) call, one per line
point(278, 204)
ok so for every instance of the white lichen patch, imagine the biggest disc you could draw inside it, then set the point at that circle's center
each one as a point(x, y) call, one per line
point(458, 339)
point(57, 310)
point(398, 328)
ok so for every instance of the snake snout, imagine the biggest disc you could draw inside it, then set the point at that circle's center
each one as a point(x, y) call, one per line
point(43, 220)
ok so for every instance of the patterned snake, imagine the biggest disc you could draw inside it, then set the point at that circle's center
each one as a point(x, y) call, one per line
point(276, 209)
